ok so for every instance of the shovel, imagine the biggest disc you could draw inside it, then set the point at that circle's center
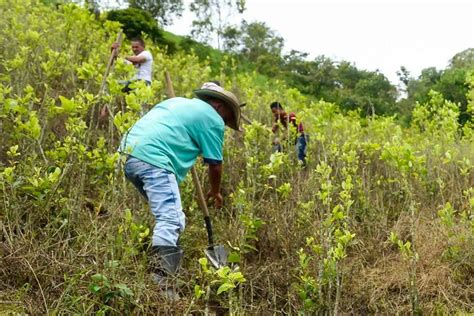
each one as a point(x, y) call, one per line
point(216, 254)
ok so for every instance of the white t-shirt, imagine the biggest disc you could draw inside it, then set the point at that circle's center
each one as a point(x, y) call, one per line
point(144, 69)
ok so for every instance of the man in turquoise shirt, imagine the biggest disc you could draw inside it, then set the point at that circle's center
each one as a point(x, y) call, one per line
point(163, 145)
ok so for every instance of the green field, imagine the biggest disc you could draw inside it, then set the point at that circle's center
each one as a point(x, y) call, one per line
point(380, 222)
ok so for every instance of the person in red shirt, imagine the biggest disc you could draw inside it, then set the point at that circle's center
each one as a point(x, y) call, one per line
point(284, 119)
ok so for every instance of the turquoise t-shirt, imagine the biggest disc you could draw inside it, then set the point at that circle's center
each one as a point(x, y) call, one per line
point(174, 132)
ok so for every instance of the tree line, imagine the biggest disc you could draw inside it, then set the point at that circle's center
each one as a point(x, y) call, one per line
point(257, 47)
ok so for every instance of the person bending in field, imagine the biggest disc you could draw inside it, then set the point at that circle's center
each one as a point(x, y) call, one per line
point(283, 119)
point(161, 147)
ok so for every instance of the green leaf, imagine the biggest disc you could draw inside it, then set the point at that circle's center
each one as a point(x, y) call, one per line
point(99, 278)
point(69, 106)
point(308, 303)
point(124, 290)
point(198, 291)
point(94, 288)
point(113, 264)
point(234, 257)
point(225, 287)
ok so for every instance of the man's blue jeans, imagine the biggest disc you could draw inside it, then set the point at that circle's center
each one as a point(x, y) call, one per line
point(160, 189)
point(301, 148)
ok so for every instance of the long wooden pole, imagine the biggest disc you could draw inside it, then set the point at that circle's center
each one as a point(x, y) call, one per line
point(113, 55)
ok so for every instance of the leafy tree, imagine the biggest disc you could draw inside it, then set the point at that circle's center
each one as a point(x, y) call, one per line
point(375, 94)
point(347, 75)
point(324, 78)
point(213, 18)
point(464, 59)
point(164, 11)
point(295, 66)
point(404, 75)
point(404, 105)
point(317, 77)
point(135, 21)
point(451, 83)
point(341, 83)
point(258, 39)
point(418, 89)
point(262, 46)
point(296, 60)
point(232, 37)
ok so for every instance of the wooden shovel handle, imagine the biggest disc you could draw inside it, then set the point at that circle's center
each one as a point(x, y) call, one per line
point(197, 184)
point(112, 57)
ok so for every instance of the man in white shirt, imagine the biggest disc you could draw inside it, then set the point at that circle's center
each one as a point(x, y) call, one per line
point(142, 60)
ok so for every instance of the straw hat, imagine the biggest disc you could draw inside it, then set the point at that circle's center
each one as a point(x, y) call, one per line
point(210, 89)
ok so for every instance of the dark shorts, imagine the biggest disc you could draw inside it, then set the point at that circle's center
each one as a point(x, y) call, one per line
point(127, 89)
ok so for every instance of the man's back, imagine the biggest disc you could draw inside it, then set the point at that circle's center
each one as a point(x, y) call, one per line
point(174, 133)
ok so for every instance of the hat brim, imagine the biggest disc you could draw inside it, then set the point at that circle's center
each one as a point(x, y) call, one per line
point(235, 107)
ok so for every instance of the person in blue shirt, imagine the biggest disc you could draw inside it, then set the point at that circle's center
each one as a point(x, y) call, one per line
point(162, 146)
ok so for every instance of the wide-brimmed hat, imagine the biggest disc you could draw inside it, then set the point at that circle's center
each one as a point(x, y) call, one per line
point(210, 89)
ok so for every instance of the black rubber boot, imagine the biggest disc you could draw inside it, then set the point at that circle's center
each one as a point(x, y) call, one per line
point(165, 263)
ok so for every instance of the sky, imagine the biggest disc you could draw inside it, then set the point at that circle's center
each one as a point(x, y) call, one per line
point(374, 35)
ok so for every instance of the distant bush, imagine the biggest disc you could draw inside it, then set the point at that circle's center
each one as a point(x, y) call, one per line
point(136, 21)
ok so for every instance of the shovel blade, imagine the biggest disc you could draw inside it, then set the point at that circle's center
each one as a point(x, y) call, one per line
point(217, 255)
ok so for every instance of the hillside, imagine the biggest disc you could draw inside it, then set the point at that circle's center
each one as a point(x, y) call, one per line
point(380, 222)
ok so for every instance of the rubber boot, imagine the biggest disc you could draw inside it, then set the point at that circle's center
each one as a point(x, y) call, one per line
point(165, 264)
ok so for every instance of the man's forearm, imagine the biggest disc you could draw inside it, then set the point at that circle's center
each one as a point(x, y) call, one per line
point(215, 175)
point(136, 59)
